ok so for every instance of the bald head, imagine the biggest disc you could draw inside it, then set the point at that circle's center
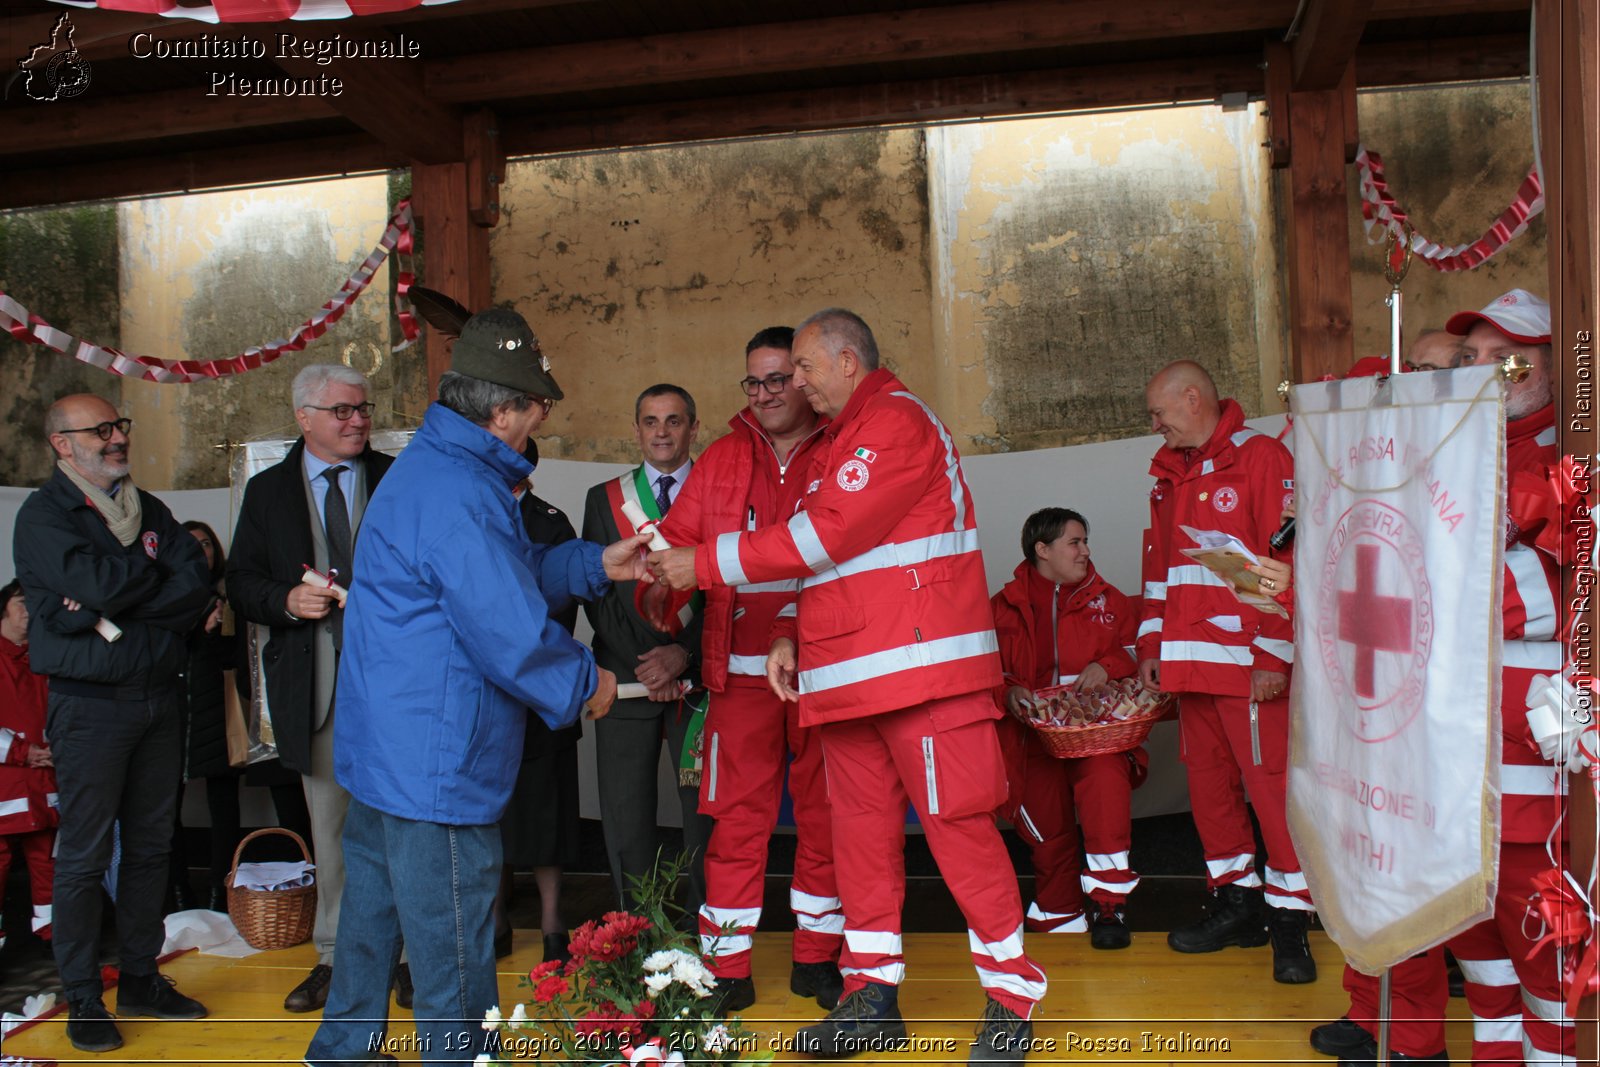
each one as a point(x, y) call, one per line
point(1435, 350)
point(73, 428)
point(1183, 404)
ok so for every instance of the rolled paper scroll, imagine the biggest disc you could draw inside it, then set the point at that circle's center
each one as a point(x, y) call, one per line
point(645, 524)
point(316, 578)
point(638, 690)
point(107, 629)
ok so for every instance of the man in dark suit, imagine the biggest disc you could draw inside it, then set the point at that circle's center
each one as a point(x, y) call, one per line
point(628, 741)
point(306, 510)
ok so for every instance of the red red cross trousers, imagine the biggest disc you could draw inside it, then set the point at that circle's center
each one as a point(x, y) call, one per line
point(1372, 622)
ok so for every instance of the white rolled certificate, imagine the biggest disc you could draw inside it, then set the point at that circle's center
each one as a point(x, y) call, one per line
point(638, 690)
point(107, 629)
point(644, 524)
point(314, 577)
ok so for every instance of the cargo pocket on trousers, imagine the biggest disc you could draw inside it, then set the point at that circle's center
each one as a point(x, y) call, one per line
point(963, 773)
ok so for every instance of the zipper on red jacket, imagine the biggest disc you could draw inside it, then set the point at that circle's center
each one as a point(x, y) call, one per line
point(1055, 632)
point(783, 465)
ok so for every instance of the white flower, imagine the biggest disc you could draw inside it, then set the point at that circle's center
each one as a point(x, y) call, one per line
point(655, 983)
point(491, 1018)
point(692, 973)
point(717, 1039)
point(667, 959)
point(519, 1017)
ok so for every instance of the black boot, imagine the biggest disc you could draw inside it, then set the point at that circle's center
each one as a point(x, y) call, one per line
point(732, 994)
point(1344, 1038)
point(1291, 951)
point(90, 1028)
point(867, 1020)
point(1235, 918)
point(1107, 927)
point(1003, 1036)
point(821, 980)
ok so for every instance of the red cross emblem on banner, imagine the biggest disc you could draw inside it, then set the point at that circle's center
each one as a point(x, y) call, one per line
point(1372, 622)
point(1374, 619)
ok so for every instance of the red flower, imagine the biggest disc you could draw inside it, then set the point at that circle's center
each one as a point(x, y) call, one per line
point(550, 989)
point(645, 1009)
point(544, 970)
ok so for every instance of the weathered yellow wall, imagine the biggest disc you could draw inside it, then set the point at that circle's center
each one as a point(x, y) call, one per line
point(1454, 159)
point(207, 276)
point(1075, 256)
point(659, 265)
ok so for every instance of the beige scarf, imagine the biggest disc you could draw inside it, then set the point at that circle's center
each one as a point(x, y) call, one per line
point(122, 512)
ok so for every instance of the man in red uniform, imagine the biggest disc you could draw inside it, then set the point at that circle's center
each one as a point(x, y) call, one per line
point(1512, 980)
point(751, 479)
point(1060, 623)
point(895, 657)
point(28, 815)
point(1230, 666)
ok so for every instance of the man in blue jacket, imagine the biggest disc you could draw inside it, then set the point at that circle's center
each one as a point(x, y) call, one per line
point(448, 639)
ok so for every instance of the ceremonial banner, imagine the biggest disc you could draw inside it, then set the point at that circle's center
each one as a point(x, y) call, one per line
point(1395, 751)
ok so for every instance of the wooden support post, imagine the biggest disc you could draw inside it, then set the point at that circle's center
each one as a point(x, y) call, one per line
point(455, 251)
point(1565, 68)
point(1319, 237)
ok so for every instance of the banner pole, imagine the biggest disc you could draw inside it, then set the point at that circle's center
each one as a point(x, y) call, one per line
point(1383, 1018)
point(1396, 262)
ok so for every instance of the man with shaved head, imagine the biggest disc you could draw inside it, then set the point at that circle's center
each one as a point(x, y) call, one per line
point(1229, 667)
point(114, 587)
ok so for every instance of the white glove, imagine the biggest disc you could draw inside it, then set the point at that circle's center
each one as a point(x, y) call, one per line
point(1557, 714)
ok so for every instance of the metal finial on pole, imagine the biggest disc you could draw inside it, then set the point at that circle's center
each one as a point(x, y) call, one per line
point(1396, 262)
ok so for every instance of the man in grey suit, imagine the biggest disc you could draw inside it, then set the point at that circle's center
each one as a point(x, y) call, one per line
point(306, 511)
point(628, 741)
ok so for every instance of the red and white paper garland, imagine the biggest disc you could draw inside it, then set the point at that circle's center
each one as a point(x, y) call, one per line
point(257, 10)
point(31, 329)
point(1380, 212)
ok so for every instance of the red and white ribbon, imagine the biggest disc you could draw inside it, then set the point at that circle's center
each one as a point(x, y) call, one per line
point(257, 10)
point(1382, 216)
point(31, 329)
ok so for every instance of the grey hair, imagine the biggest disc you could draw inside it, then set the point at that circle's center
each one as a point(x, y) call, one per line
point(845, 329)
point(477, 400)
point(311, 384)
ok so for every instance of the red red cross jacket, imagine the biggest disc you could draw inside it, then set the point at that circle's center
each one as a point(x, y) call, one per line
point(738, 484)
point(27, 794)
point(1094, 621)
point(1530, 788)
point(1206, 640)
point(892, 608)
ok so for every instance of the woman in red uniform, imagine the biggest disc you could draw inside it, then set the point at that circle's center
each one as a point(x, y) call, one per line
point(28, 816)
point(1059, 622)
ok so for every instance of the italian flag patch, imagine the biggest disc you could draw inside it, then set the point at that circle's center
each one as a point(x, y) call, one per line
point(867, 454)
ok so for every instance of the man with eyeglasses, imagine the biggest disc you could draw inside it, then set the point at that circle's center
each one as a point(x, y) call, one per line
point(628, 741)
point(306, 511)
point(751, 479)
point(114, 587)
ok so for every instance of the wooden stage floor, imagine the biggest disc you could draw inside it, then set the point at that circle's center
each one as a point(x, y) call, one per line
point(1145, 1005)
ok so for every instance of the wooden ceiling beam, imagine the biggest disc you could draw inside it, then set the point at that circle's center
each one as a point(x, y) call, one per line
point(183, 172)
point(1329, 32)
point(1440, 60)
point(174, 113)
point(384, 96)
point(877, 37)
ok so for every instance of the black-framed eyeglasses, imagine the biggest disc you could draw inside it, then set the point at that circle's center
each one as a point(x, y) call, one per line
point(546, 402)
point(772, 383)
point(105, 429)
point(342, 412)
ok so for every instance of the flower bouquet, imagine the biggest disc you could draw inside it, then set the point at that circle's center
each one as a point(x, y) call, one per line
point(636, 991)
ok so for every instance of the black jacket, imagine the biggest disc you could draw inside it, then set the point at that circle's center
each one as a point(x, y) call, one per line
point(271, 544)
point(155, 589)
point(548, 525)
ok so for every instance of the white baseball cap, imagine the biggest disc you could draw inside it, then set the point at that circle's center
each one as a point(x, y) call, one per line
point(1518, 314)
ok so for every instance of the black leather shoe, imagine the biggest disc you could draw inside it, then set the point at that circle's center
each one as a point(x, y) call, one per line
point(90, 1028)
point(1343, 1037)
point(1003, 1036)
point(404, 991)
point(1107, 928)
point(312, 993)
point(1442, 1056)
point(1234, 918)
point(555, 948)
point(1292, 963)
point(821, 980)
point(155, 996)
point(502, 944)
point(867, 1020)
point(732, 994)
